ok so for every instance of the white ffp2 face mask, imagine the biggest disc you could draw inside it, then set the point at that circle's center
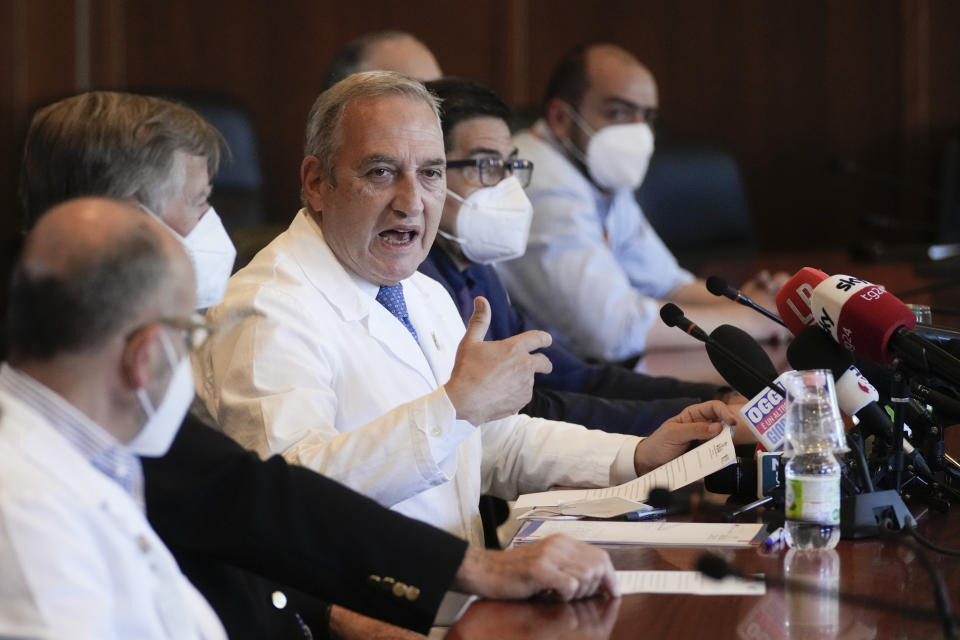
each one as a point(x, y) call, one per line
point(617, 156)
point(493, 222)
point(213, 255)
point(163, 421)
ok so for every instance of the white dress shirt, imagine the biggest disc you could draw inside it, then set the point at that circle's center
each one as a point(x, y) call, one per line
point(78, 559)
point(306, 363)
point(594, 268)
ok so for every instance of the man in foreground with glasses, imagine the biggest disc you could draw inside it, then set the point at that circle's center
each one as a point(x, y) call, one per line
point(353, 364)
point(595, 272)
point(98, 374)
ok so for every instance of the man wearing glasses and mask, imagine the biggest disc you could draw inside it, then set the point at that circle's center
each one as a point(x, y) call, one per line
point(485, 221)
point(595, 272)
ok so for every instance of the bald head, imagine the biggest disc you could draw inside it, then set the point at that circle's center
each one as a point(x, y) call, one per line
point(383, 51)
point(92, 268)
point(604, 69)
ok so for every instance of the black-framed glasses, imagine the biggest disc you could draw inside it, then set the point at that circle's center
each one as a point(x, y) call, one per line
point(489, 171)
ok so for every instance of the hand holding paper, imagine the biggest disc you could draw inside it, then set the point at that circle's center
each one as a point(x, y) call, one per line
point(697, 422)
point(708, 457)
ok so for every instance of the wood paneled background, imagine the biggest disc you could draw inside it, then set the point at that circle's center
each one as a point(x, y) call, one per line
point(795, 88)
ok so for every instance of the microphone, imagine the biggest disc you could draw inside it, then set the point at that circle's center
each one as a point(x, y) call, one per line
point(672, 316)
point(813, 349)
point(749, 376)
point(875, 324)
point(793, 299)
point(721, 288)
point(754, 376)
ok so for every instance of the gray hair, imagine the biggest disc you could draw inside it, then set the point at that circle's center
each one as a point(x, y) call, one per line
point(111, 144)
point(324, 136)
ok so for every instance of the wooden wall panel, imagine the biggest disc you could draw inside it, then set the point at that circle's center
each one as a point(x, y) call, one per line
point(797, 88)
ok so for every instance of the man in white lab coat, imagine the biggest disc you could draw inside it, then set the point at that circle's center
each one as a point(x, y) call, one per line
point(100, 304)
point(334, 351)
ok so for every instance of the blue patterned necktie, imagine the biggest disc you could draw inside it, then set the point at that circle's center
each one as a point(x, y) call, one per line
point(392, 300)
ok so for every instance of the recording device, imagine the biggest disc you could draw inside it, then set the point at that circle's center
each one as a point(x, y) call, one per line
point(875, 324)
point(720, 287)
point(758, 477)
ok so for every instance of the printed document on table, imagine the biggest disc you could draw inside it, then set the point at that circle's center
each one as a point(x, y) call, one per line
point(689, 582)
point(696, 534)
point(710, 456)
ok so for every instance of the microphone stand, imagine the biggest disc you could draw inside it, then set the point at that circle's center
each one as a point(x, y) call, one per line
point(864, 514)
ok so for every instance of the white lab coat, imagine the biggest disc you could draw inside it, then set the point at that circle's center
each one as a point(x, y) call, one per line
point(306, 363)
point(78, 559)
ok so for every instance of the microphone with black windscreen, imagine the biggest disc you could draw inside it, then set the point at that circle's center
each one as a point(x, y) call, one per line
point(720, 287)
point(752, 372)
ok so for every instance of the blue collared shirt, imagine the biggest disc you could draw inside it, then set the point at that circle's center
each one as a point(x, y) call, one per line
point(97, 446)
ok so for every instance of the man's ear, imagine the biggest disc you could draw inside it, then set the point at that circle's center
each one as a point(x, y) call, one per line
point(138, 354)
point(314, 181)
point(558, 118)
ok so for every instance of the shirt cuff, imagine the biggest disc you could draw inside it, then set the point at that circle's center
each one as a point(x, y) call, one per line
point(440, 426)
point(623, 468)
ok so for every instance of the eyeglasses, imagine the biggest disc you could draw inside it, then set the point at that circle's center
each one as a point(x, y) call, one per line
point(491, 170)
point(196, 329)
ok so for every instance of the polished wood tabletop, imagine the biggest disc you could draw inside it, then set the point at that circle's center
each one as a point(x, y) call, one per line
point(880, 568)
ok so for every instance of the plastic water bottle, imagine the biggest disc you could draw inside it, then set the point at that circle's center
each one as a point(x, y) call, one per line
point(814, 433)
point(812, 501)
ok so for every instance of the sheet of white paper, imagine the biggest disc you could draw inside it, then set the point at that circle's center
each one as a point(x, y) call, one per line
point(700, 534)
point(602, 508)
point(710, 456)
point(690, 582)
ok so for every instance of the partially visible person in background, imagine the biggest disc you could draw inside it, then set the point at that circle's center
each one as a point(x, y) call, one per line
point(384, 51)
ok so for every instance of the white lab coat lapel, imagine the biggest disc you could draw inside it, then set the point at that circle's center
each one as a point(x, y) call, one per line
point(438, 348)
point(331, 279)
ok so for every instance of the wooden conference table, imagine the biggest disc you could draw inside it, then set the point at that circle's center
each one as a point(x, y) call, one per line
point(876, 567)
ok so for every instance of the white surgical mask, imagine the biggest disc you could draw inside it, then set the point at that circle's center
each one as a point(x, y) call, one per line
point(617, 156)
point(493, 222)
point(163, 420)
point(213, 255)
